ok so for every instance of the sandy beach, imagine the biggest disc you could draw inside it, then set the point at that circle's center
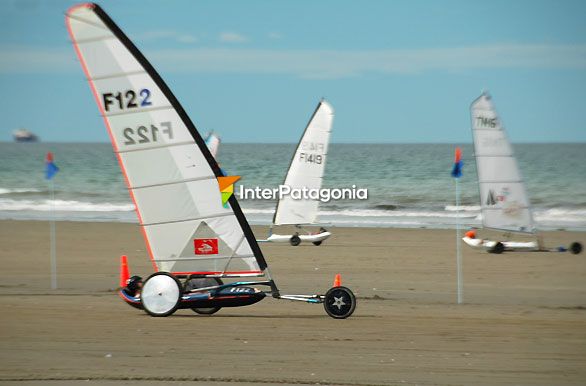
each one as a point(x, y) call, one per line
point(523, 321)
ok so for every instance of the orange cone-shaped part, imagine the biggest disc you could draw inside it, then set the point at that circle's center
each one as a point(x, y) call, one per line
point(124, 273)
point(338, 280)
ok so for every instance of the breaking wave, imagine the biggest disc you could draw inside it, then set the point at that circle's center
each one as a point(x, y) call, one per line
point(63, 206)
point(445, 217)
point(19, 190)
point(464, 208)
point(560, 215)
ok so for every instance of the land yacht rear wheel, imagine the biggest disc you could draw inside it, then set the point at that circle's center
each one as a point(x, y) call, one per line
point(339, 302)
point(202, 282)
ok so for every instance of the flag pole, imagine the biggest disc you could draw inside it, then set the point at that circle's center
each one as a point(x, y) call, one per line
point(458, 249)
point(50, 170)
point(52, 237)
point(457, 173)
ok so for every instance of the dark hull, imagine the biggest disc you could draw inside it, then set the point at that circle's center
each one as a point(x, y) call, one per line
point(205, 299)
point(224, 301)
point(26, 139)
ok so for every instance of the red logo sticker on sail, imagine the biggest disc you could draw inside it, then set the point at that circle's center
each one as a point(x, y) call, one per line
point(206, 246)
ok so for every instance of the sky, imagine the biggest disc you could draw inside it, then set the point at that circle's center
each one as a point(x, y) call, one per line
point(253, 71)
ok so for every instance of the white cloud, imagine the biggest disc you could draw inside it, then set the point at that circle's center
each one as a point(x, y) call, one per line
point(340, 64)
point(165, 35)
point(35, 60)
point(232, 37)
point(187, 39)
point(274, 35)
point(155, 34)
point(322, 64)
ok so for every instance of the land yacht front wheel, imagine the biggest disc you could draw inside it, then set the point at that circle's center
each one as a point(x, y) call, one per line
point(161, 294)
point(576, 248)
point(295, 240)
point(498, 248)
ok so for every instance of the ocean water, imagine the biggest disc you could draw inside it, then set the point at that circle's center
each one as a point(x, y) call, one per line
point(409, 185)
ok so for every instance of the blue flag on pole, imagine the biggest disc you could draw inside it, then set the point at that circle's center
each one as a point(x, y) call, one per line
point(50, 168)
point(457, 169)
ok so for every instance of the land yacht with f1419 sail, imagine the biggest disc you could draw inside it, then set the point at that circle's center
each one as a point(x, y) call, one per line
point(306, 171)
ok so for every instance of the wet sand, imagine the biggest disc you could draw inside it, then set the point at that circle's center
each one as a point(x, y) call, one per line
point(523, 321)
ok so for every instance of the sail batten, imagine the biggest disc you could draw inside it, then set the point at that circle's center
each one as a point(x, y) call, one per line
point(96, 39)
point(169, 171)
point(120, 113)
point(81, 19)
point(209, 216)
point(173, 182)
point(503, 198)
point(197, 258)
point(118, 75)
point(157, 147)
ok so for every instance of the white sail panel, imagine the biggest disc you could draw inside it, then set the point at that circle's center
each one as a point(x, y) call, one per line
point(130, 93)
point(169, 171)
point(175, 163)
point(165, 129)
point(175, 202)
point(87, 25)
point(510, 222)
point(492, 143)
point(184, 260)
point(307, 168)
point(498, 170)
point(503, 197)
point(504, 206)
point(109, 46)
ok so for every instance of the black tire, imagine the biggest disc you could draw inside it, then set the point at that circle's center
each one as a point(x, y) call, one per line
point(318, 243)
point(339, 302)
point(201, 282)
point(575, 248)
point(498, 248)
point(295, 240)
point(174, 302)
point(206, 311)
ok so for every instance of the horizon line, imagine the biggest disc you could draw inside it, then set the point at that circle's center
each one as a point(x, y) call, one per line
point(294, 143)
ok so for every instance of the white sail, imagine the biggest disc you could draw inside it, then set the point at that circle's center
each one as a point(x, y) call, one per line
point(503, 198)
point(213, 143)
point(169, 171)
point(307, 168)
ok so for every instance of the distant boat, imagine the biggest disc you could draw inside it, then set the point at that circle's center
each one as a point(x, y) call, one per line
point(23, 135)
point(213, 143)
